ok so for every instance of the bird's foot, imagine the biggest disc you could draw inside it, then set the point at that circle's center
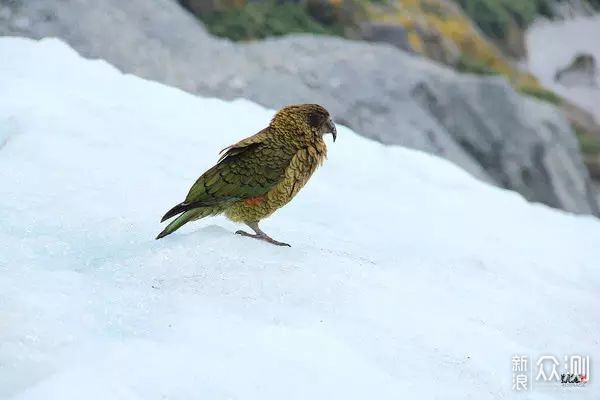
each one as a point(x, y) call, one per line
point(263, 237)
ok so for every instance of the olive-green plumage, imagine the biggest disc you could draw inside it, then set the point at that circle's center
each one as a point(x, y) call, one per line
point(258, 175)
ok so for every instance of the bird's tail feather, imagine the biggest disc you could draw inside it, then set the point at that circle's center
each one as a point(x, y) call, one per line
point(178, 209)
point(187, 216)
point(215, 204)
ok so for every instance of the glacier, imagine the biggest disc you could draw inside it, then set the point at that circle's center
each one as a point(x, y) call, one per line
point(407, 278)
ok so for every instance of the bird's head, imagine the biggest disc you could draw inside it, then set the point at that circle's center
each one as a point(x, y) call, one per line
point(305, 118)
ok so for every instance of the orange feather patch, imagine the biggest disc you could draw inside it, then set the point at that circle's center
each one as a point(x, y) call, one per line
point(254, 201)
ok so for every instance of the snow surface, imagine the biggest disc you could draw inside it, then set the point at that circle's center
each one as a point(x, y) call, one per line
point(552, 46)
point(407, 279)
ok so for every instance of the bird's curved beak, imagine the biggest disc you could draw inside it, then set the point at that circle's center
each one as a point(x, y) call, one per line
point(331, 128)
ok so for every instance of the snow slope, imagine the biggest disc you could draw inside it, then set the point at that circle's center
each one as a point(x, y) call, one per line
point(553, 45)
point(407, 279)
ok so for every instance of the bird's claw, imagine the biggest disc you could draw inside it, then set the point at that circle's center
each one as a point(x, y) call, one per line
point(262, 237)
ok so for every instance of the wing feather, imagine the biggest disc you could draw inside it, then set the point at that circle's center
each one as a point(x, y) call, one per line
point(249, 168)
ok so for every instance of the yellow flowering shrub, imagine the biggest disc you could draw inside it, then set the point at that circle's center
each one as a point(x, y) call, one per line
point(447, 20)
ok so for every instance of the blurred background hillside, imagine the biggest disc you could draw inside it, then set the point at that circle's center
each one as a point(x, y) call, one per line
point(507, 89)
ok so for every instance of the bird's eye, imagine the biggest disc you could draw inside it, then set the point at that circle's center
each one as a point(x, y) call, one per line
point(315, 119)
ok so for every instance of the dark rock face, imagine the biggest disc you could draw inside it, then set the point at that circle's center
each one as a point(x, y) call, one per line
point(393, 34)
point(582, 71)
point(199, 7)
point(574, 8)
point(513, 44)
point(523, 144)
point(381, 92)
point(346, 13)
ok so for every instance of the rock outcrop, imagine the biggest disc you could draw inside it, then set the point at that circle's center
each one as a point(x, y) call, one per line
point(573, 8)
point(479, 123)
point(393, 34)
point(582, 71)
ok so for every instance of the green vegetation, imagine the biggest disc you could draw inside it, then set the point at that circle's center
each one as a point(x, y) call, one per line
point(244, 20)
point(471, 65)
point(590, 146)
point(496, 17)
point(541, 94)
point(257, 20)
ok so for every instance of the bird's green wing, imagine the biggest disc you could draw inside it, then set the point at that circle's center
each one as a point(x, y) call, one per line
point(247, 169)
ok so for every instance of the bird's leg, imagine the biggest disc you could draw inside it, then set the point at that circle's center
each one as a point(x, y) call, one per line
point(260, 234)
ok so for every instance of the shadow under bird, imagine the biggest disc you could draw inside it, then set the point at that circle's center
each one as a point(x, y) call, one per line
point(260, 174)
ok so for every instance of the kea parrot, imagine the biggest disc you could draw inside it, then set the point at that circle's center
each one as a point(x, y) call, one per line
point(261, 173)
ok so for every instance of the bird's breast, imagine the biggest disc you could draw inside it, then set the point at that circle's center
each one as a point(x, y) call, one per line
point(301, 167)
